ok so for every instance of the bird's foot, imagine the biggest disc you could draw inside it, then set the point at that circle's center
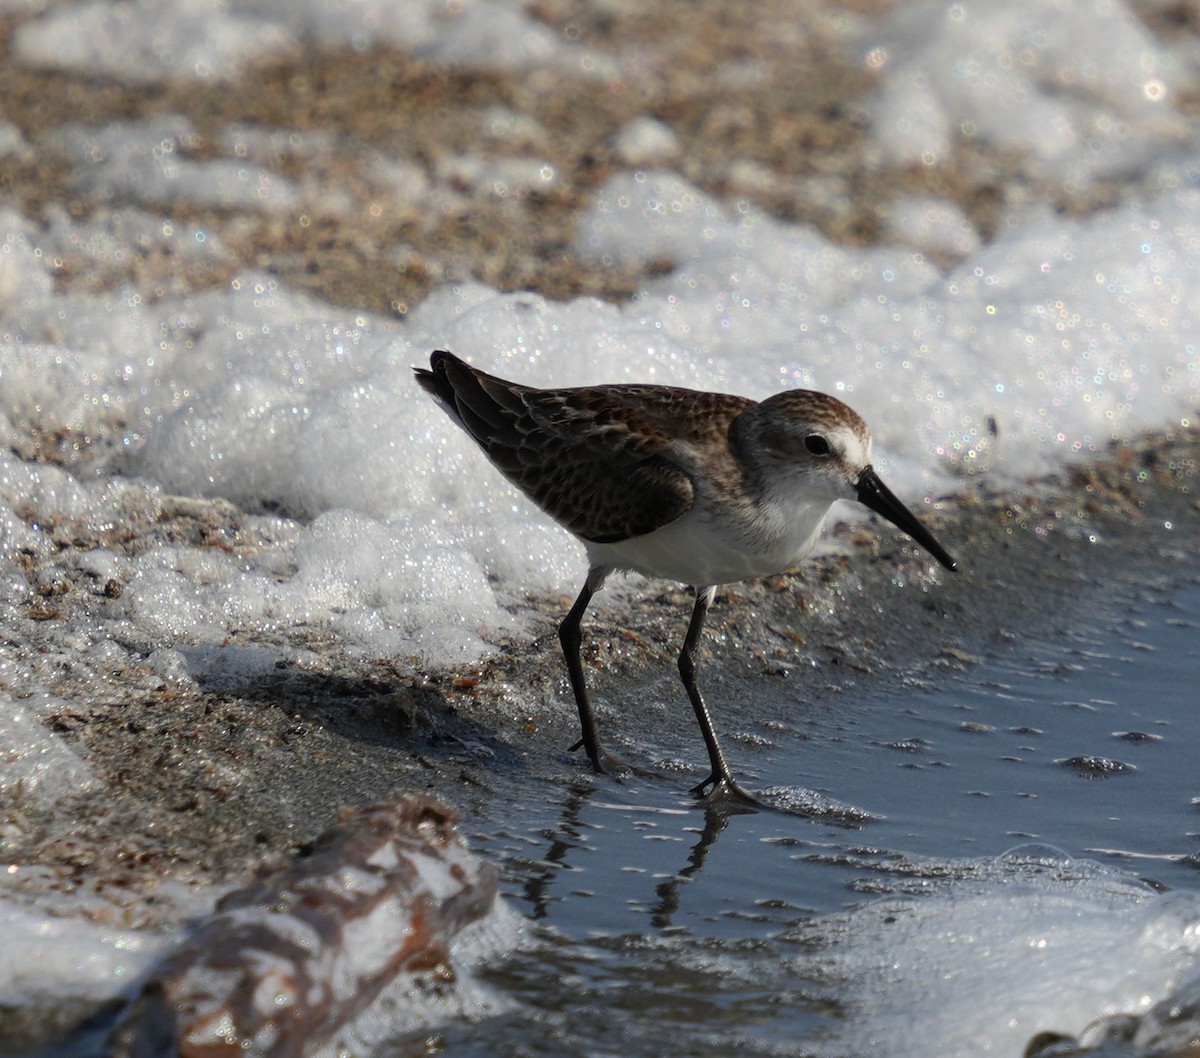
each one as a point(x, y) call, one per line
point(603, 762)
point(724, 791)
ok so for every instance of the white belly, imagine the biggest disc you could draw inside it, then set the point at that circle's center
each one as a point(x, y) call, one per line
point(701, 550)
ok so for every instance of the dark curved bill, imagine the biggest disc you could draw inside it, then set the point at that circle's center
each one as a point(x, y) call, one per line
point(875, 494)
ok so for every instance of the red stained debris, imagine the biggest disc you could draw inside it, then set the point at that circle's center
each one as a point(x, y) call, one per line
point(283, 966)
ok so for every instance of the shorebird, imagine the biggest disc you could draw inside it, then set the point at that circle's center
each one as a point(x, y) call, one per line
point(691, 486)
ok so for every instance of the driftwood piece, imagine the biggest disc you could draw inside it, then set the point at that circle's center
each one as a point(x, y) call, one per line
point(285, 965)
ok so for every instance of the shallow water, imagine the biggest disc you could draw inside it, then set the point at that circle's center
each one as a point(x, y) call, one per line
point(672, 930)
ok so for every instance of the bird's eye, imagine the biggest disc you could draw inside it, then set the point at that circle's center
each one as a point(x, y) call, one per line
point(816, 445)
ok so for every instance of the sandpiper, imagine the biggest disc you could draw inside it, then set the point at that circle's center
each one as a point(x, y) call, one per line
point(697, 487)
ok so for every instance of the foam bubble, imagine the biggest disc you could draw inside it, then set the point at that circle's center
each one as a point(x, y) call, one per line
point(1031, 942)
point(37, 763)
point(147, 41)
point(1081, 88)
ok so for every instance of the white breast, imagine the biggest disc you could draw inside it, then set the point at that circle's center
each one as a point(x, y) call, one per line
point(705, 547)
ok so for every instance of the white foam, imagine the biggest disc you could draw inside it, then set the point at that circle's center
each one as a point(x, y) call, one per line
point(1063, 333)
point(24, 272)
point(1048, 343)
point(35, 763)
point(1032, 942)
point(497, 35)
point(152, 40)
point(148, 163)
point(119, 237)
point(360, 24)
point(932, 224)
point(646, 141)
point(662, 208)
point(68, 957)
point(1081, 88)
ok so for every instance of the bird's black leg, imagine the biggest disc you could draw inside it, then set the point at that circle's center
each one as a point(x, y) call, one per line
point(571, 638)
point(720, 779)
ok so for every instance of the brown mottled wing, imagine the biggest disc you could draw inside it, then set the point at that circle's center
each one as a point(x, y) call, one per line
point(597, 460)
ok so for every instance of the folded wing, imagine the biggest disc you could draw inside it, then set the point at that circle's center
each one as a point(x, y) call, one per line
point(597, 461)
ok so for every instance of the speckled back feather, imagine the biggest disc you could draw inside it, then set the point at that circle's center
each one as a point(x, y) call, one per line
point(598, 461)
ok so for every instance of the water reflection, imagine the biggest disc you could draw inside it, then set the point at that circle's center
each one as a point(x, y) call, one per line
point(563, 840)
point(780, 941)
point(716, 819)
